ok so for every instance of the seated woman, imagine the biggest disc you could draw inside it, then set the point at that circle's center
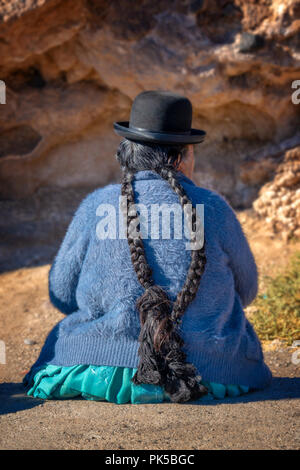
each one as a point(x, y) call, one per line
point(150, 317)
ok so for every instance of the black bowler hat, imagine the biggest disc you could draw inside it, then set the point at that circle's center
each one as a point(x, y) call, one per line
point(160, 117)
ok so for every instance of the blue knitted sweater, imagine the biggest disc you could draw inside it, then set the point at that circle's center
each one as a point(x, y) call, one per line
point(93, 282)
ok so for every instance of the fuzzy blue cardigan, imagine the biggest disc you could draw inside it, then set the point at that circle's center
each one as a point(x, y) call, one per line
point(93, 282)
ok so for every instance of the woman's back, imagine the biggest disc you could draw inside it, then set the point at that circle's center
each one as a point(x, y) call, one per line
point(93, 278)
point(163, 298)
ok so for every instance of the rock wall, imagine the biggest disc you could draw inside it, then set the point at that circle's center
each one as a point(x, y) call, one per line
point(71, 68)
point(279, 200)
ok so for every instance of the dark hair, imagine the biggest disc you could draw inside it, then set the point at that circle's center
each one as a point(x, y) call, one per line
point(161, 359)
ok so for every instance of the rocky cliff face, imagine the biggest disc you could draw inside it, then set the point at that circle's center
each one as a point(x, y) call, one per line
point(72, 68)
point(279, 200)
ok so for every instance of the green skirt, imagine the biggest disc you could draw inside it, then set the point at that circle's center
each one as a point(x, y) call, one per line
point(107, 383)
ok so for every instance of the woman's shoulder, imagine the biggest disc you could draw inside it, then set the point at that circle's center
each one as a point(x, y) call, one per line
point(110, 194)
point(209, 197)
point(102, 194)
point(87, 208)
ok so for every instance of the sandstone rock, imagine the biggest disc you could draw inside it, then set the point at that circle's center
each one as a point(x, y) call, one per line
point(279, 200)
point(73, 68)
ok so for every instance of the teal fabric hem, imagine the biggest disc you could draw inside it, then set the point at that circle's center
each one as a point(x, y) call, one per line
point(106, 383)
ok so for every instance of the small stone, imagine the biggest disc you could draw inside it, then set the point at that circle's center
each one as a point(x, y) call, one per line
point(29, 342)
point(250, 42)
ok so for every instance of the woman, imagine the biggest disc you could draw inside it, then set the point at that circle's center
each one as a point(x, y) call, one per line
point(147, 317)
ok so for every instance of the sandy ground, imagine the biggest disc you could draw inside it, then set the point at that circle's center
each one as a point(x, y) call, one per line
point(260, 420)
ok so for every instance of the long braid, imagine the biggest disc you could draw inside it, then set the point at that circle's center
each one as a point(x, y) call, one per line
point(162, 360)
point(198, 258)
point(153, 305)
point(135, 243)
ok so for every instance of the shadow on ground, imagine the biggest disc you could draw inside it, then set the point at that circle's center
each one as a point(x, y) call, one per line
point(13, 396)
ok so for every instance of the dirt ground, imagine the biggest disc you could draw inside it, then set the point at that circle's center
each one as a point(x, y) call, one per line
point(32, 231)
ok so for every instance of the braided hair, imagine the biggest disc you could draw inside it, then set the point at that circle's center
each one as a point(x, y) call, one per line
point(161, 359)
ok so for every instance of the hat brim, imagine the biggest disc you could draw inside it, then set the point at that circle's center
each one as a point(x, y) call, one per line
point(122, 128)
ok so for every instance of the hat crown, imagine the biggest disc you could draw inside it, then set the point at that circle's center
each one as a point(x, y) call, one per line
point(161, 111)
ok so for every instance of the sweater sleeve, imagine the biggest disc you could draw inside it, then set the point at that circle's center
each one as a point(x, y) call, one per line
point(241, 259)
point(65, 270)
